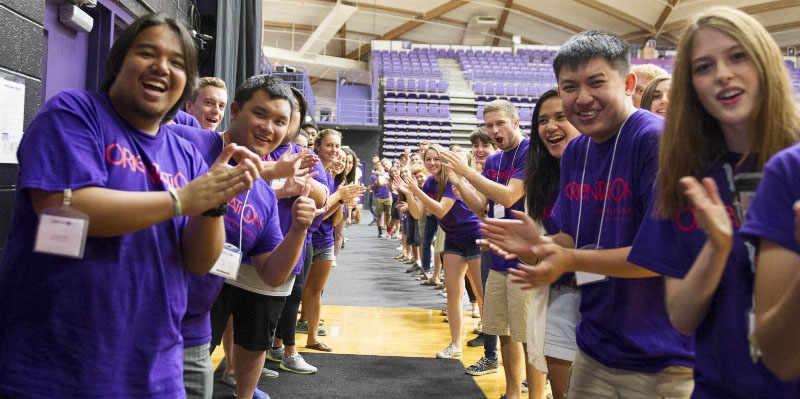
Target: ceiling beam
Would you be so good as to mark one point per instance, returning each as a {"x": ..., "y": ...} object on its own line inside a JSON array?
[
  {"x": 501, "y": 25},
  {"x": 509, "y": 37},
  {"x": 664, "y": 15},
  {"x": 343, "y": 34},
  {"x": 783, "y": 27},
  {"x": 284, "y": 25},
  {"x": 754, "y": 9},
  {"x": 616, "y": 13},
  {"x": 547, "y": 18},
  {"x": 410, "y": 25}
]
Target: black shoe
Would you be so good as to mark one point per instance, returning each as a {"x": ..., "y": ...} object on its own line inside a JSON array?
[
  {"x": 372, "y": 223},
  {"x": 477, "y": 341}
]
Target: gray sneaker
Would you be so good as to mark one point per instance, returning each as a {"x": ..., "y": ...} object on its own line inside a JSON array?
[
  {"x": 275, "y": 355},
  {"x": 296, "y": 364},
  {"x": 483, "y": 366},
  {"x": 267, "y": 373},
  {"x": 229, "y": 380}
]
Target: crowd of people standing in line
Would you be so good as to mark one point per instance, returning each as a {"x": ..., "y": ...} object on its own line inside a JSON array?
[{"x": 621, "y": 252}]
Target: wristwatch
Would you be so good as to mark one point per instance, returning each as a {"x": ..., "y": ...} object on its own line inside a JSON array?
[{"x": 217, "y": 211}]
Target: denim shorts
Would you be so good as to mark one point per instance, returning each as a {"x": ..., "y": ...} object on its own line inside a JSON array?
[
  {"x": 467, "y": 251},
  {"x": 323, "y": 253}
]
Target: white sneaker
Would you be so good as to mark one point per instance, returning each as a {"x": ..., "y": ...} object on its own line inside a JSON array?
[
  {"x": 297, "y": 364},
  {"x": 267, "y": 373},
  {"x": 450, "y": 352}
]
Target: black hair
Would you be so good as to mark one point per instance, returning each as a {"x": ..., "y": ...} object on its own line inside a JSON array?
[
  {"x": 116, "y": 56},
  {"x": 312, "y": 125},
  {"x": 543, "y": 170},
  {"x": 350, "y": 177},
  {"x": 589, "y": 45},
  {"x": 273, "y": 86},
  {"x": 301, "y": 101}
]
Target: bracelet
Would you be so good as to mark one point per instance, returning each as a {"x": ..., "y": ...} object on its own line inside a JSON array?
[{"x": 176, "y": 202}]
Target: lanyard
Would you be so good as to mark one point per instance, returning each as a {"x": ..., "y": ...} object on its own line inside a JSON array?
[
  {"x": 241, "y": 218},
  {"x": 500, "y": 164},
  {"x": 608, "y": 182}
]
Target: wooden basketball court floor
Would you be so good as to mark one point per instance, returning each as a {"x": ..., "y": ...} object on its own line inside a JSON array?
[{"x": 365, "y": 329}]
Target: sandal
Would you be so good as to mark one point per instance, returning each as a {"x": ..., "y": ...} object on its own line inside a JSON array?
[
  {"x": 443, "y": 312},
  {"x": 479, "y": 328},
  {"x": 476, "y": 313},
  {"x": 439, "y": 286},
  {"x": 429, "y": 283},
  {"x": 319, "y": 346}
]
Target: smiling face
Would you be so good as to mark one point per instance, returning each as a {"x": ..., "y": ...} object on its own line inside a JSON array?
[
  {"x": 209, "y": 106},
  {"x": 433, "y": 164},
  {"x": 339, "y": 163},
  {"x": 260, "y": 124},
  {"x": 660, "y": 101},
  {"x": 554, "y": 129},
  {"x": 596, "y": 98},
  {"x": 724, "y": 78},
  {"x": 415, "y": 159},
  {"x": 502, "y": 128},
  {"x": 420, "y": 177},
  {"x": 328, "y": 148},
  {"x": 151, "y": 78},
  {"x": 481, "y": 150},
  {"x": 348, "y": 166},
  {"x": 641, "y": 84}
]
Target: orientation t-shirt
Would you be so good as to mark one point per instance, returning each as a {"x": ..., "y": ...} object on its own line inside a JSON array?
[
  {"x": 460, "y": 224},
  {"x": 723, "y": 367},
  {"x": 501, "y": 167},
  {"x": 323, "y": 236},
  {"x": 251, "y": 210},
  {"x": 107, "y": 325},
  {"x": 624, "y": 323}
]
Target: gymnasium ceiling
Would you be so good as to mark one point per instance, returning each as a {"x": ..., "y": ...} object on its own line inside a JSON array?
[{"x": 345, "y": 30}]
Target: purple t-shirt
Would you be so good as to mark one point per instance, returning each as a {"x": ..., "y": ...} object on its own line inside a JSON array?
[
  {"x": 183, "y": 118},
  {"x": 624, "y": 323},
  {"x": 107, "y": 325},
  {"x": 260, "y": 233},
  {"x": 460, "y": 224},
  {"x": 723, "y": 367},
  {"x": 501, "y": 167},
  {"x": 381, "y": 192},
  {"x": 285, "y": 204},
  {"x": 323, "y": 237},
  {"x": 771, "y": 215}
]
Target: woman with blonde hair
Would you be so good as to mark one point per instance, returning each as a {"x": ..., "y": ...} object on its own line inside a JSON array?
[
  {"x": 732, "y": 110},
  {"x": 461, "y": 231}
]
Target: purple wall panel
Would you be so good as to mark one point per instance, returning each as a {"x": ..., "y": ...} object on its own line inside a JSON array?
[
  {"x": 67, "y": 53},
  {"x": 353, "y": 92}
]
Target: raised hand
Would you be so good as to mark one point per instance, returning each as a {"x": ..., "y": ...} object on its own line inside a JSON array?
[
  {"x": 552, "y": 265},
  {"x": 303, "y": 209},
  {"x": 401, "y": 184},
  {"x": 222, "y": 182},
  {"x": 350, "y": 191},
  {"x": 516, "y": 236},
  {"x": 710, "y": 210},
  {"x": 455, "y": 162},
  {"x": 286, "y": 166}
]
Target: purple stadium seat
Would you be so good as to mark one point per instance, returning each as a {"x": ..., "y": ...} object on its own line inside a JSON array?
[
  {"x": 434, "y": 110},
  {"x": 411, "y": 85},
  {"x": 391, "y": 108},
  {"x": 390, "y": 84},
  {"x": 480, "y": 88},
  {"x": 411, "y": 109},
  {"x": 422, "y": 110},
  {"x": 402, "y": 110}
]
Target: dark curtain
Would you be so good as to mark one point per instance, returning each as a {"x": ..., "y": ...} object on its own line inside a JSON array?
[{"x": 238, "y": 53}]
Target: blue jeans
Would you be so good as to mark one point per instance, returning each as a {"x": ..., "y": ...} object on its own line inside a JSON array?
[
  {"x": 431, "y": 225},
  {"x": 371, "y": 203},
  {"x": 489, "y": 341}
]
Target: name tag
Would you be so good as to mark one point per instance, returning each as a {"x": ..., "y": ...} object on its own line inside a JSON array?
[
  {"x": 582, "y": 278},
  {"x": 62, "y": 231},
  {"x": 499, "y": 211},
  {"x": 277, "y": 183},
  {"x": 227, "y": 265}
]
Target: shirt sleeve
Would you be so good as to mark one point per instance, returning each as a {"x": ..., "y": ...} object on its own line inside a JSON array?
[
  {"x": 448, "y": 191},
  {"x": 64, "y": 146},
  {"x": 771, "y": 215},
  {"x": 657, "y": 247}
]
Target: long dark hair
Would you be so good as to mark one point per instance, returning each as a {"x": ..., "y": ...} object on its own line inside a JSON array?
[
  {"x": 543, "y": 174},
  {"x": 350, "y": 177},
  {"x": 116, "y": 56}
]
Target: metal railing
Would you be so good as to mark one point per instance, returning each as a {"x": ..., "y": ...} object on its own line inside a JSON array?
[{"x": 347, "y": 111}]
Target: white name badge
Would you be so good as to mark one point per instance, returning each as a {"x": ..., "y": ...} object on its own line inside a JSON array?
[
  {"x": 62, "y": 231},
  {"x": 582, "y": 278},
  {"x": 499, "y": 211},
  {"x": 277, "y": 183},
  {"x": 227, "y": 265}
]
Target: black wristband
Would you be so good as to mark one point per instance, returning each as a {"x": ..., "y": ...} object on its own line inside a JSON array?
[{"x": 218, "y": 211}]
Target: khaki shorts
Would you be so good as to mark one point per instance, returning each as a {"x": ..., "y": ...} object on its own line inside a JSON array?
[
  {"x": 591, "y": 379},
  {"x": 505, "y": 307},
  {"x": 383, "y": 205}
]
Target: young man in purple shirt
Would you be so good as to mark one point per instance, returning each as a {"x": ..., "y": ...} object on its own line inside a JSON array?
[
  {"x": 501, "y": 187},
  {"x": 261, "y": 110},
  {"x": 108, "y": 324},
  {"x": 379, "y": 184},
  {"x": 627, "y": 345}
]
